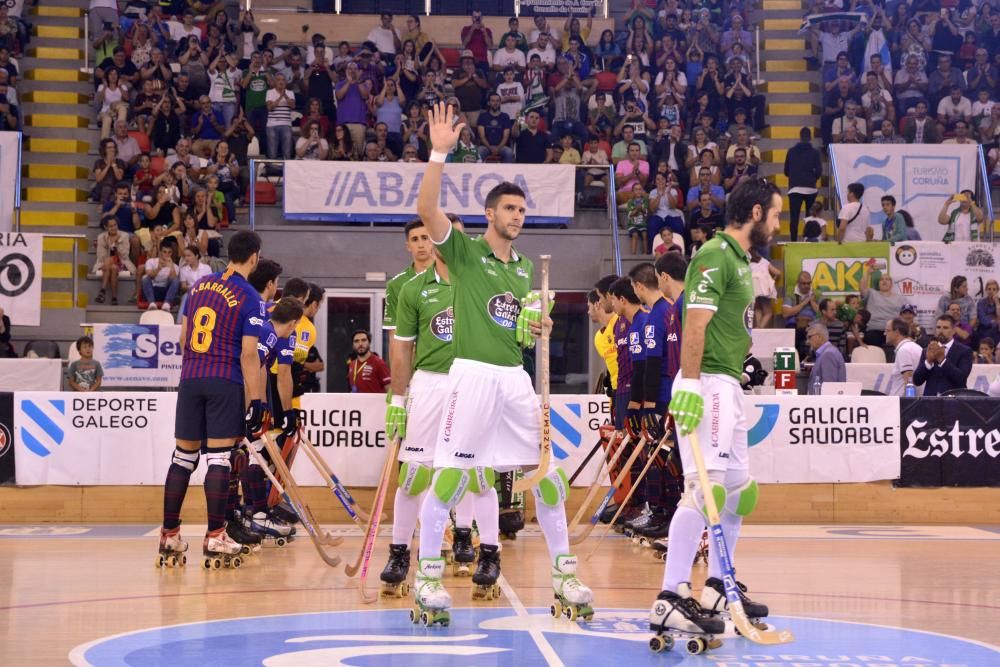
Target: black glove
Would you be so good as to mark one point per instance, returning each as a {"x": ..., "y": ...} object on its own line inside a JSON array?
[
  {"x": 254, "y": 419},
  {"x": 652, "y": 425},
  {"x": 290, "y": 423},
  {"x": 633, "y": 423}
]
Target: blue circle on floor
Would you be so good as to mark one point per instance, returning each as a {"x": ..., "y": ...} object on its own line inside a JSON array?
[{"x": 500, "y": 636}]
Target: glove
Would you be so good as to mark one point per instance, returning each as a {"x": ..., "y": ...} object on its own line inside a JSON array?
[
  {"x": 531, "y": 311},
  {"x": 290, "y": 423},
  {"x": 687, "y": 405},
  {"x": 395, "y": 418},
  {"x": 633, "y": 423},
  {"x": 652, "y": 426},
  {"x": 254, "y": 419}
]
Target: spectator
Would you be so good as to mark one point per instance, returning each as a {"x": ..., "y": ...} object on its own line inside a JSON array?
[
  {"x": 803, "y": 169},
  {"x": 829, "y": 365},
  {"x": 494, "y": 132},
  {"x": 700, "y": 142},
  {"x": 894, "y": 227},
  {"x": 6, "y": 347},
  {"x": 705, "y": 186},
  {"x": 706, "y": 216},
  {"x": 982, "y": 75},
  {"x": 514, "y": 30},
  {"x": 665, "y": 205},
  {"x": 877, "y": 104},
  {"x": 567, "y": 92},
  {"x": 156, "y": 69},
  {"x": 959, "y": 292},
  {"x": 910, "y": 84},
  {"x": 608, "y": 51},
  {"x": 921, "y": 128},
  {"x": 112, "y": 99},
  {"x": 385, "y": 36},
  {"x": 964, "y": 220},
  {"x": 943, "y": 79},
  {"x": 850, "y": 119},
  {"x": 987, "y": 310},
  {"x": 422, "y": 42},
  {"x": 120, "y": 206},
  {"x": 854, "y": 221},
  {"x": 414, "y": 131},
  {"x": 465, "y": 149},
  {"x": 802, "y": 306},
  {"x": 352, "y": 94},
  {"x": 636, "y": 213},
  {"x": 945, "y": 365},
  {"x": 665, "y": 242},
  {"x": 388, "y": 111},
  {"x": 908, "y": 314},
  {"x": 888, "y": 135},
  {"x": 961, "y": 130},
  {"x": 108, "y": 170},
  {"x": 840, "y": 68},
  {"x": 128, "y": 73},
  {"x": 160, "y": 282},
  {"x": 764, "y": 275},
  {"x": 954, "y": 108},
  {"x": 633, "y": 169},
  {"x": 532, "y": 146},
  {"x": 192, "y": 271},
  {"x": 162, "y": 216},
  {"x": 366, "y": 372},
  {"x": 85, "y": 373},
  {"x": 510, "y": 56},
  {"x": 570, "y": 155},
  {"x": 477, "y": 38},
  {"x": 963, "y": 330},
  {"x": 207, "y": 128},
  {"x": 469, "y": 84},
  {"x": 907, "y": 356},
  {"x": 542, "y": 27},
  {"x": 280, "y": 104},
  {"x": 311, "y": 145},
  {"x": 165, "y": 124},
  {"x": 671, "y": 150},
  {"x": 883, "y": 303},
  {"x": 143, "y": 179},
  {"x": 827, "y": 41},
  {"x": 986, "y": 353},
  {"x": 739, "y": 171},
  {"x": 224, "y": 165},
  {"x": 828, "y": 315},
  {"x": 112, "y": 258}
]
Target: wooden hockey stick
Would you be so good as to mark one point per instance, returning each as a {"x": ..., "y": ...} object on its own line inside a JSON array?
[
  {"x": 530, "y": 481},
  {"x": 354, "y": 510},
  {"x": 579, "y": 469},
  {"x": 592, "y": 491},
  {"x": 616, "y": 484},
  {"x": 371, "y": 530},
  {"x": 733, "y": 602}
]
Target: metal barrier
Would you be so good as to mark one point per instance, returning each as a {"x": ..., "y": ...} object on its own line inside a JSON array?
[
  {"x": 86, "y": 42},
  {"x": 984, "y": 182},
  {"x": 17, "y": 184},
  {"x": 75, "y": 273}
]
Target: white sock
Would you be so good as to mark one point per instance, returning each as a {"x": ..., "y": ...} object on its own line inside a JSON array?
[
  {"x": 433, "y": 519},
  {"x": 731, "y": 529},
  {"x": 488, "y": 516},
  {"x": 465, "y": 510},
  {"x": 405, "y": 511},
  {"x": 553, "y": 523},
  {"x": 685, "y": 534}
]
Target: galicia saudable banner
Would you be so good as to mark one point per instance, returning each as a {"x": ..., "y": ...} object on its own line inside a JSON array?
[
  {"x": 950, "y": 441},
  {"x": 7, "y": 466}
]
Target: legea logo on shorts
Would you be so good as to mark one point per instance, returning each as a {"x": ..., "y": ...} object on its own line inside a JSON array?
[
  {"x": 443, "y": 325},
  {"x": 504, "y": 309}
]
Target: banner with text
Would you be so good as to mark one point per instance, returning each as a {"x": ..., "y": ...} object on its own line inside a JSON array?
[
  {"x": 877, "y": 376},
  {"x": 803, "y": 439},
  {"x": 835, "y": 268},
  {"x": 560, "y": 7},
  {"x": 139, "y": 355},
  {"x": 387, "y": 192},
  {"x": 10, "y": 163},
  {"x": 7, "y": 465},
  {"x": 920, "y": 177},
  {"x": 923, "y": 271},
  {"x": 21, "y": 277},
  {"x": 948, "y": 442}
]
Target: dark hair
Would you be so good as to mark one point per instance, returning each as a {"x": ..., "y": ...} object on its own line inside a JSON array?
[
  {"x": 265, "y": 271},
  {"x": 946, "y": 317},
  {"x": 415, "y": 18},
  {"x": 823, "y": 304},
  {"x": 297, "y": 288},
  {"x": 593, "y": 296},
  {"x": 754, "y": 192},
  {"x": 368, "y": 334},
  {"x": 84, "y": 340},
  {"x": 505, "y": 188},
  {"x": 805, "y": 134},
  {"x": 812, "y": 230},
  {"x": 956, "y": 282},
  {"x": 673, "y": 264},
  {"x": 286, "y": 310},
  {"x": 986, "y": 340},
  {"x": 315, "y": 294},
  {"x": 604, "y": 284},
  {"x": 242, "y": 246},
  {"x": 857, "y": 190},
  {"x": 889, "y": 198},
  {"x": 900, "y": 326},
  {"x": 194, "y": 250},
  {"x": 416, "y": 223},
  {"x": 644, "y": 273},
  {"x": 907, "y": 218},
  {"x": 622, "y": 288}
]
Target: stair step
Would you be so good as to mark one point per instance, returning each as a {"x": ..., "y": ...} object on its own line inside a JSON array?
[
  {"x": 63, "y": 300},
  {"x": 786, "y": 66},
  {"x": 56, "y": 120},
  {"x": 794, "y": 87},
  {"x": 62, "y": 270},
  {"x": 56, "y": 53},
  {"x": 784, "y": 33},
  {"x": 85, "y": 208},
  {"x": 770, "y": 5},
  {"x": 785, "y": 132},
  {"x": 782, "y": 23},
  {"x": 784, "y": 44},
  {"x": 54, "y": 97},
  {"x": 55, "y": 171},
  {"x": 792, "y": 109},
  {"x": 54, "y": 74},
  {"x": 809, "y": 76},
  {"x": 63, "y": 245},
  {"x": 53, "y": 219},
  {"x": 54, "y": 195},
  {"x": 47, "y": 145},
  {"x": 61, "y": 12},
  {"x": 74, "y": 86},
  {"x": 791, "y": 13},
  {"x": 782, "y": 181},
  {"x": 775, "y": 155},
  {"x": 58, "y": 32}
]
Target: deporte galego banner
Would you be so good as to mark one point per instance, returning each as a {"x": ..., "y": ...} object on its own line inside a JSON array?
[{"x": 387, "y": 191}]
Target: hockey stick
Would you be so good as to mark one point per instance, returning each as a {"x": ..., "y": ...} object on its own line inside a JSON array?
[
  {"x": 616, "y": 484},
  {"x": 597, "y": 445},
  {"x": 635, "y": 485},
  {"x": 531, "y": 481},
  {"x": 592, "y": 491},
  {"x": 735, "y": 605},
  {"x": 357, "y": 514},
  {"x": 371, "y": 530}
]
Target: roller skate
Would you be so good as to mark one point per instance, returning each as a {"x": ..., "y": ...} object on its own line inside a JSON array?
[
  {"x": 713, "y": 601},
  {"x": 676, "y": 616},
  {"x": 633, "y": 528},
  {"x": 511, "y": 504},
  {"x": 271, "y": 531},
  {"x": 219, "y": 551},
  {"x": 172, "y": 548},
  {"x": 629, "y": 514},
  {"x": 609, "y": 513},
  {"x": 572, "y": 597},
  {"x": 284, "y": 513},
  {"x": 431, "y": 601},
  {"x": 660, "y": 548},
  {"x": 658, "y": 527},
  {"x": 394, "y": 575},
  {"x": 463, "y": 553},
  {"x": 238, "y": 532},
  {"x": 487, "y": 573},
  {"x": 702, "y": 553}
]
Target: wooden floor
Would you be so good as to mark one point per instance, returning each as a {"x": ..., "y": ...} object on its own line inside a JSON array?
[{"x": 65, "y": 586}]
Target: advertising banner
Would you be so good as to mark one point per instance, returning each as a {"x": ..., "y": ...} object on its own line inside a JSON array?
[
  {"x": 559, "y": 7},
  {"x": 10, "y": 163},
  {"x": 31, "y": 374},
  {"x": 948, "y": 442},
  {"x": 139, "y": 355},
  {"x": 803, "y": 439},
  {"x": 7, "y": 467},
  {"x": 21, "y": 277},
  {"x": 920, "y": 177},
  {"x": 835, "y": 268},
  {"x": 387, "y": 192},
  {"x": 876, "y": 376}
]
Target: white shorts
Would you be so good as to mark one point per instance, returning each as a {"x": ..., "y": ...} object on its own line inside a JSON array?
[
  {"x": 722, "y": 432},
  {"x": 492, "y": 418},
  {"x": 424, "y": 404}
]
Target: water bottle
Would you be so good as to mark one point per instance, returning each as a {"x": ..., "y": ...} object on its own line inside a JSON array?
[
  {"x": 910, "y": 391},
  {"x": 817, "y": 387}
]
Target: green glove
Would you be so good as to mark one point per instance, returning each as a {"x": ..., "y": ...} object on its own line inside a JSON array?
[
  {"x": 531, "y": 311},
  {"x": 687, "y": 405},
  {"x": 395, "y": 418}
]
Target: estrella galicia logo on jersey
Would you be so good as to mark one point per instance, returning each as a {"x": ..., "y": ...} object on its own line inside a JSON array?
[
  {"x": 271, "y": 340},
  {"x": 649, "y": 334},
  {"x": 42, "y": 427},
  {"x": 765, "y": 424},
  {"x": 305, "y": 336},
  {"x": 633, "y": 342},
  {"x": 504, "y": 309},
  {"x": 521, "y": 272},
  {"x": 263, "y": 309},
  {"x": 748, "y": 317},
  {"x": 443, "y": 325}
]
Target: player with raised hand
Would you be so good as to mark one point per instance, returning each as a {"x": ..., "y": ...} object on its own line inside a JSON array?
[
  {"x": 492, "y": 415},
  {"x": 716, "y": 337},
  {"x": 218, "y": 399}
]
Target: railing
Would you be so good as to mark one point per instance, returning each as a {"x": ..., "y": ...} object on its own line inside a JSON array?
[
  {"x": 86, "y": 42},
  {"x": 17, "y": 184},
  {"x": 984, "y": 179},
  {"x": 75, "y": 272},
  {"x": 833, "y": 186}
]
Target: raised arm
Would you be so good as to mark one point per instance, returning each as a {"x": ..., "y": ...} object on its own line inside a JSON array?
[{"x": 444, "y": 133}]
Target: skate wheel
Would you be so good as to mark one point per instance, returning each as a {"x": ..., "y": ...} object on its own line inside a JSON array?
[
  {"x": 183, "y": 560},
  {"x": 414, "y": 617},
  {"x": 217, "y": 563},
  {"x": 236, "y": 563},
  {"x": 555, "y": 610},
  {"x": 207, "y": 563},
  {"x": 661, "y": 643},
  {"x": 425, "y": 618},
  {"x": 643, "y": 542},
  {"x": 172, "y": 561},
  {"x": 695, "y": 646},
  {"x": 246, "y": 550},
  {"x": 570, "y": 613},
  {"x": 404, "y": 589},
  {"x": 588, "y": 617},
  {"x": 159, "y": 560},
  {"x": 280, "y": 541}
]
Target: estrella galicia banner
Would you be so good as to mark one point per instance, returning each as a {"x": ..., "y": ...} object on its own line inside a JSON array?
[
  {"x": 21, "y": 277},
  {"x": 950, "y": 441},
  {"x": 6, "y": 439},
  {"x": 139, "y": 355}
]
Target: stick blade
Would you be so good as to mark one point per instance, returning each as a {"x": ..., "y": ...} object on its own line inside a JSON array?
[{"x": 757, "y": 636}]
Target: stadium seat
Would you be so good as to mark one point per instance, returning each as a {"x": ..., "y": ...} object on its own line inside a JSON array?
[
  {"x": 158, "y": 164},
  {"x": 870, "y": 354},
  {"x": 265, "y": 193},
  {"x": 160, "y": 317},
  {"x": 451, "y": 56},
  {"x": 42, "y": 349},
  {"x": 140, "y": 139},
  {"x": 606, "y": 81}
]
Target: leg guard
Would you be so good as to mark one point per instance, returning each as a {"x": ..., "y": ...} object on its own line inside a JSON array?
[
  {"x": 742, "y": 500},
  {"x": 185, "y": 459},
  {"x": 553, "y": 489},
  {"x": 694, "y": 497},
  {"x": 450, "y": 484},
  {"x": 219, "y": 457},
  {"x": 481, "y": 479},
  {"x": 414, "y": 478}
]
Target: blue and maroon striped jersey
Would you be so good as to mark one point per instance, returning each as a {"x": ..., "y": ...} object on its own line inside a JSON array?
[
  {"x": 221, "y": 309},
  {"x": 622, "y": 325},
  {"x": 674, "y": 326},
  {"x": 271, "y": 348},
  {"x": 636, "y": 350}
]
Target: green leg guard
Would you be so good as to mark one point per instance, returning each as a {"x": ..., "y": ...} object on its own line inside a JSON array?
[
  {"x": 481, "y": 479},
  {"x": 450, "y": 484},
  {"x": 742, "y": 500},
  {"x": 414, "y": 478},
  {"x": 553, "y": 489}
]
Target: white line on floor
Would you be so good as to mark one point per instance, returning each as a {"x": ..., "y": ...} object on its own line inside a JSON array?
[{"x": 549, "y": 653}]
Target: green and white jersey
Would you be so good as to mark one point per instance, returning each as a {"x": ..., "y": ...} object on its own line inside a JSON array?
[
  {"x": 424, "y": 313},
  {"x": 487, "y": 294},
  {"x": 718, "y": 279},
  {"x": 392, "y": 288}
]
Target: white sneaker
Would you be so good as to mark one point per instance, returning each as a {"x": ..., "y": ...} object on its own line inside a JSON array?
[
  {"x": 165, "y": 306},
  {"x": 151, "y": 306}
]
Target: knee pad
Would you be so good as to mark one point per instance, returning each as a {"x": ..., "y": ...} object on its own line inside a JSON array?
[
  {"x": 185, "y": 459},
  {"x": 414, "y": 478},
  {"x": 742, "y": 500},
  {"x": 694, "y": 498},
  {"x": 450, "y": 485},
  {"x": 481, "y": 480},
  {"x": 553, "y": 489},
  {"x": 218, "y": 457}
]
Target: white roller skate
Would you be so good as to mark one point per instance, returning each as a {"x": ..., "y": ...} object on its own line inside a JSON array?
[
  {"x": 572, "y": 597},
  {"x": 271, "y": 530},
  {"x": 220, "y": 551},
  {"x": 676, "y": 616},
  {"x": 713, "y": 601},
  {"x": 431, "y": 600},
  {"x": 172, "y": 548}
]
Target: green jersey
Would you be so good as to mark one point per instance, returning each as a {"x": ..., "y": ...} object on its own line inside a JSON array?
[
  {"x": 718, "y": 279},
  {"x": 392, "y": 296},
  {"x": 487, "y": 294},
  {"x": 256, "y": 91},
  {"x": 424, "y": 313}
]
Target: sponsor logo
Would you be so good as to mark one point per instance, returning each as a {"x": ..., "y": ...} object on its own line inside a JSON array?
[
  {"x": 305, "y": 336},
  {"x": 449, "y": 420},
  {"x": 521, "y": 272},
  {"x": 826, "y": 425},
  {"x": 43, "y": 427},
  {"x": 257, "y": 321},
  {"x": 44, "y": 423},
  {"x": 957, "y": 442},
  {"x": 271, "y": 340},
  {"x": 17, "y": 274},
  {"x": 139, "y": 346},
  {"x": 5, "y": 440},
  {"x": 340, "y": 428},
  {"x": 443, "y": 325},
  {"x": 979, "y": 256},
  {"x": 906, "y": 255},
  {"x": 465, "y": 455},
  {"x": 503, "y": 309}
]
